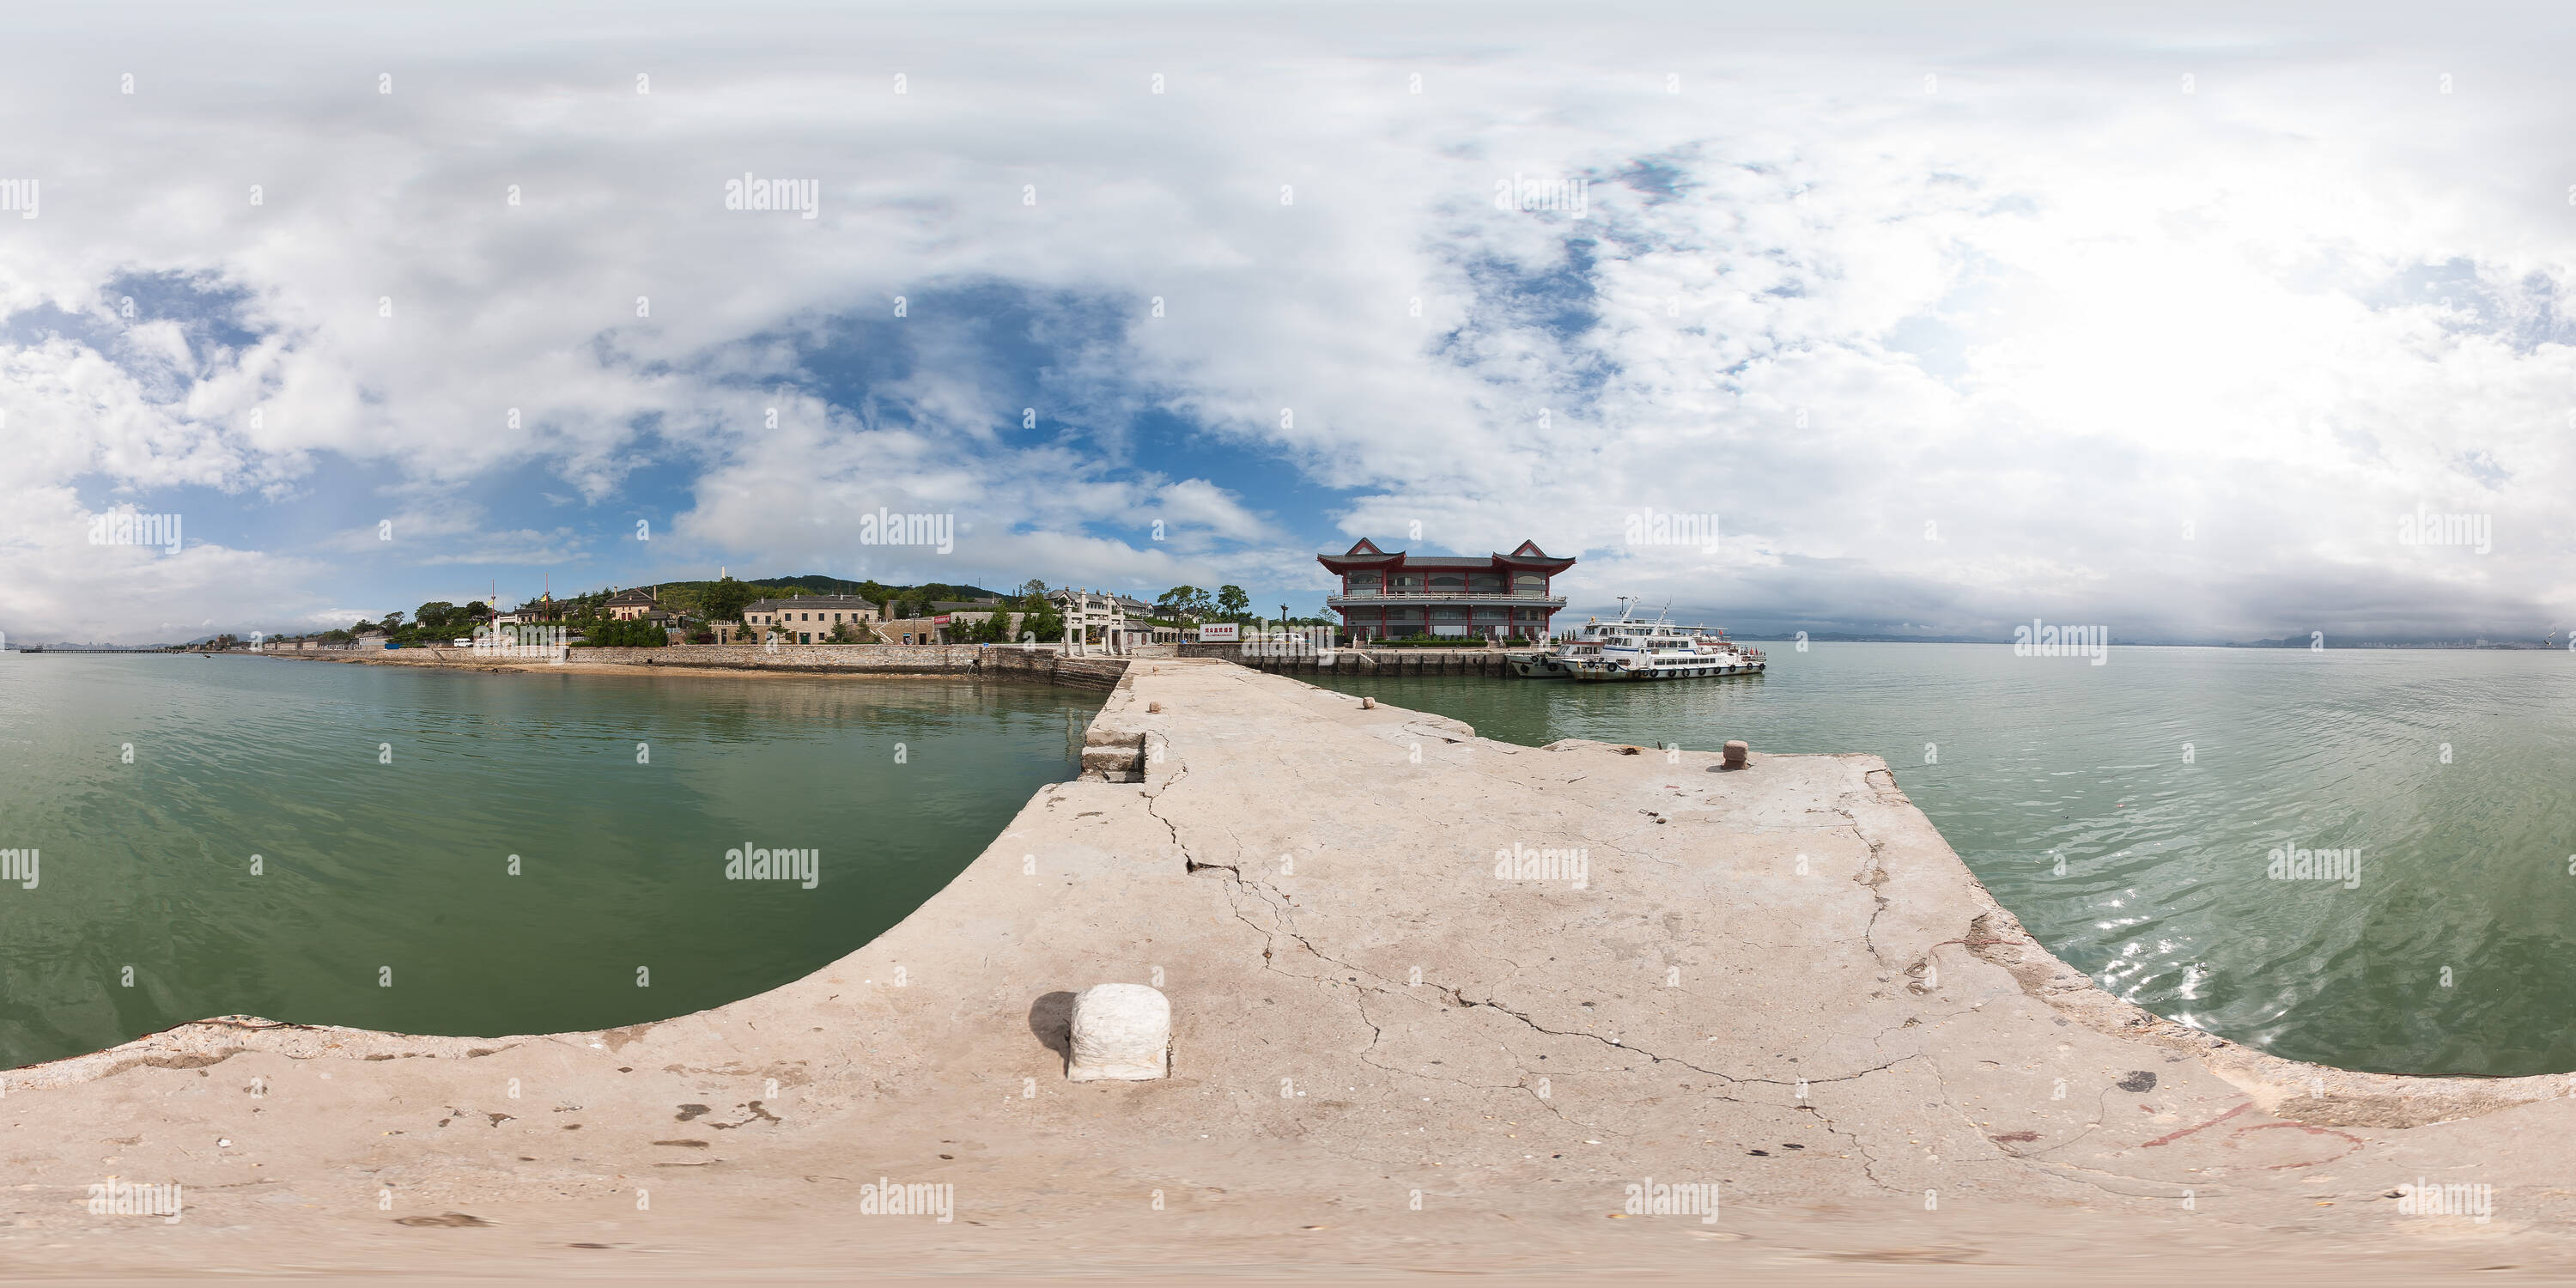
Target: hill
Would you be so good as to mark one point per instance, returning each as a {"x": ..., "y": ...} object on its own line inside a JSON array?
[{"x": 690, "y": 596}]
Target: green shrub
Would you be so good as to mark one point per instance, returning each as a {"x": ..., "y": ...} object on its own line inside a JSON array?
[{"x": 614, "y": 634}]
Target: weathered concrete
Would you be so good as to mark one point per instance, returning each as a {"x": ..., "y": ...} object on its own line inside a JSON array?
[{"x": 1779, "y": 981}]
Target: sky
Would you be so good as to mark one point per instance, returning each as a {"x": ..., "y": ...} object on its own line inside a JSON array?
[{"x": 2196, "y": 322}]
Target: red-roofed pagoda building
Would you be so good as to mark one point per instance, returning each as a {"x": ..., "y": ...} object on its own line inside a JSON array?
[{"x": 1397, "y": 596}]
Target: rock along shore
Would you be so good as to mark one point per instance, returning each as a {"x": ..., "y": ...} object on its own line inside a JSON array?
[{"x": 1778, "y": 981}]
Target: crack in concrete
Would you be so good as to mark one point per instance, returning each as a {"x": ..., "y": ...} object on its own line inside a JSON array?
[
  {"x": 1868, "y": 1161},
  {"x": 1873, "y": 874},
  {"x": 1462, "y": 1000},
  {"x": 1187, "y": 863},
  {"x": 2099, "y": 1101},
  {"x": 1281, "y": 913}
]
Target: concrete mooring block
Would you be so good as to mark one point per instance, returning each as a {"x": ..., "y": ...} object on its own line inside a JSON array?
[
  {"x": 1736, "y": 752},
  {"x": 1122, "y": 1032}
]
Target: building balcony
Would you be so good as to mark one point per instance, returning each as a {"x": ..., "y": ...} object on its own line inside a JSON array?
[{"x": 1394, "y": 597}]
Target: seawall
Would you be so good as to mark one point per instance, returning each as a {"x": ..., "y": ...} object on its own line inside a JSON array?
[
  {"x": 1440, "y": 1003},
  {"x": 1042, "y": 665},
  {"x": 1364, "y": 661}
]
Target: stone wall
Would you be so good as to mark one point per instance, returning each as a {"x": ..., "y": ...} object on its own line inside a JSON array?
[
  {"x": 886, "y": 658},
  {"x": 1384, "y": 661},
  {"x": 822, "y": 659}
]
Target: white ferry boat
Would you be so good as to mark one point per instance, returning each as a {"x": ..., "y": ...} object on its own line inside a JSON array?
[
  {"x": 1559, "y": 665},
  {"x": 1629, "y": 649}
]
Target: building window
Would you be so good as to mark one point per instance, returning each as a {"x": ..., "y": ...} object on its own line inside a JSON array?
[
  {"x": 1486, "y": 583},
  {"x": 1448, "y": 581},
  {"x": 805, "y": 637},
  {"x": 1529, "y": 584}
]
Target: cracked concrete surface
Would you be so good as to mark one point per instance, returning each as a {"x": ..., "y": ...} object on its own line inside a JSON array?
[{"x": 1778, "y": 980}]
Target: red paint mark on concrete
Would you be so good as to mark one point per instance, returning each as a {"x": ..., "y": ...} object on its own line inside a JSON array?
[
  {"x": 2356, "y": 1141},
  {"x": 2169, "y": 1139}
]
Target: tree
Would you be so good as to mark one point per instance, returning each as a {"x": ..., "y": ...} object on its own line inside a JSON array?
[
  {"x": 392, "y": 622},
  {"x": 1232, "y": 602},
  {"x": 725, "y": 600},
  {"x": 1041, "y": 621},
  {"x": 1185, "y": 601},
  {"x": 1032, "y": 589}
]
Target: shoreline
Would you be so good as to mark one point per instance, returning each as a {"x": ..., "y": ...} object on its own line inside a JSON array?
[
  {"x": 1778, "y": 980},
  {"x": 741, "y": 672},
  {"x": 919, "y": 660}
]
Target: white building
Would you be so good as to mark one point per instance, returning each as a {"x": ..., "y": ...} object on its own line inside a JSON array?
[{"x": 809, "y": 619}]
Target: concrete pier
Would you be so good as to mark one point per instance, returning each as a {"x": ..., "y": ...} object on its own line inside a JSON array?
[{"x": 1441, "y": 1003}]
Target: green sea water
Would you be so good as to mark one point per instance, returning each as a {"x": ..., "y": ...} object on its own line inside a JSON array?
[
  {"x": 334, "y": 844},
  {"x": 2163, "y": 780}
]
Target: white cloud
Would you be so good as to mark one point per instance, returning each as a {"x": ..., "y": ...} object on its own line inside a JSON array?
[{"x": 2057, "y": 307}]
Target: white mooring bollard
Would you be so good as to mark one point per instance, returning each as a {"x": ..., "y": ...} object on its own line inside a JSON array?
[{"x": 1120, "y": 1031}]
